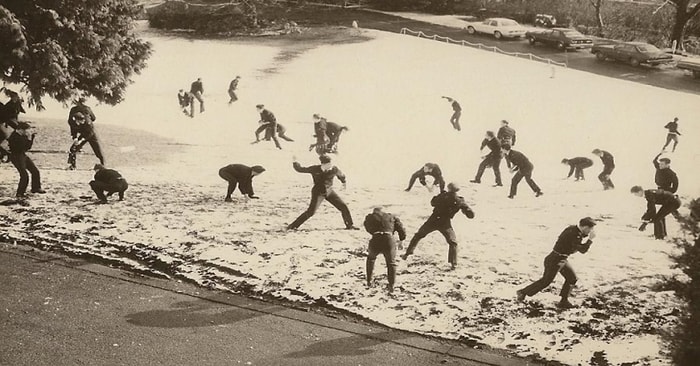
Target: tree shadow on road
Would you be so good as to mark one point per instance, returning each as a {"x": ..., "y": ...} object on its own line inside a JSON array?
[{"x": 356, "y": 345}]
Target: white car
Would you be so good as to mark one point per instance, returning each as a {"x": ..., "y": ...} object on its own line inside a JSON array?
[{"x": 499, "y": 27}]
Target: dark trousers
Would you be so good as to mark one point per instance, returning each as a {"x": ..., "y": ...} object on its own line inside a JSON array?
[
  {"x": 188, "y": 104},
  {"x": 333, "y": 143},
  {"x": 444, "y": 226},
  {"x": 659, "y": 217},
  {"x": 604, "y": 177},
  {"x": 554, "y": 263},
  {"x": 232, "y": 94},
  {"x": 386, "y": 245},
  {"x": 421, "y": 179},
  {"x": 232, "y": 182},
  {"x": 75, "y": 148},
  {"x": 269, "y": 134},
  {"x": 493, "y": 162},
  {"x": 23, "y": 164},
  {"x": 116, "y": 186},
  {"x": 198, "y": 96},
  {"x": 519, "y": 175},
  {"x": 316, "y": 200},
  {"x": 671, "y": 137},
  {"x": 455, "y": 120}
]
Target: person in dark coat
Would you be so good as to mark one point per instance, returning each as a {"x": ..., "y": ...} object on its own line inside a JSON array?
[
  {"x": 186, "y": 100},
  {"x": 577, "y": 165},
  {"x": 608, "y": 167},
  {"x": 321, "y": 135},
  {"x": 20, "y": 142},
  {"x": 445, "y": 206},
  {"x": 241, "y": 175},
  {"x": 669, "y": 203},
  {"x": 667, "y": 180},
  {"x": 431, "y": 169},
  {"x": 323, "y": 176},
  {"x": 673, "y": 134},
  {"x": 197, "y": 91},
  {"x": 232, "y": 89},
  {"x": 333, "y": 131},
  {"x": 268, "y": 124},
  {"x": 108, "y": 181},
  {"x": 506, "y": 134},
  {"x": 570, "y": 241},
  {"x": 523, "y": 169},
  {"x": 382, "y": 225},
  {"x": 457, "y": 113},
  {"x": 83, "y": 132},
  {"x": 9, "y": 118},
  {"x": 492, "y": 159}
]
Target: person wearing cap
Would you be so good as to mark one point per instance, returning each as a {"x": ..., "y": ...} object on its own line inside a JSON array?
[
  {"x": 322, "y": 189},
  {"x": 186, "y": 100},
  {"x": 667, "y": 180},
  {"x": 84, "y": 110},
  {"x": 241, "y": 175},
  {"x": 575, "y": 238},
  {"x": 108, "y": 181},
  {"x": 672, "y": 135},
  {"x": 232, "y": 89},
  {"x": 432, "y": 170},
  {"x": 456, "y": 113},
  {"x": 84, "y": 133},
  {"x": 445, "y": 206},
  {"x": 523, "y": 169},
  {"x": 382, "y": 226},
  {"x": 506, "y": 135},
  {"x": 197, "y": 91},
  {"x": 492, "y": 159},
  {"x": 21, "y": 141},
  {"x": 669, "y": 203},
  {"x": 576, "y": 166},
  {"x": 268, "y": 123},
  {"x": 608, "y": 167}
]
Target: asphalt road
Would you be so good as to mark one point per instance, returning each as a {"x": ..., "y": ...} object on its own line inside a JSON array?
[
  {"x": 61, "y": 311},
  {"x": 664, "y": 76}
]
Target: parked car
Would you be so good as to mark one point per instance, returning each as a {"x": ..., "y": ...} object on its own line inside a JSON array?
[
  {"x": 499, "y": 27},
  {"x": 692, "y": 64},
  {"x": 562, "y": 38},
  {"x": 635, "y": 53}
]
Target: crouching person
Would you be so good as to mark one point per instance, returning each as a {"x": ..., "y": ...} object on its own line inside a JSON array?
[
  {"x": 108, "y": 181},
  {"x": 382, "y": 226}
]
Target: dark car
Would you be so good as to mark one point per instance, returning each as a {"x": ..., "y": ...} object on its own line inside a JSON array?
[
  {"x": 634, "y": 53},
  {"x": 562, "y": 38}
]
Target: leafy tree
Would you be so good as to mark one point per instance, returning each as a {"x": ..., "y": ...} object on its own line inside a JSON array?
[
  {"x": 66, "y": 48},
  {"x": 684, "y": 13}
]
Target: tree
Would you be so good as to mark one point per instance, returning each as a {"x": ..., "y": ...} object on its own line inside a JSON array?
[
  {"x": 598, "y": 7},
  {"x": 684, "y": 13},
  {"x": 66, "y": 48}
]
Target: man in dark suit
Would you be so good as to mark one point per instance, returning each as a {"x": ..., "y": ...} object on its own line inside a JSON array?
[
  {"x": 242, "y": 176},
  {"x": 108, "y": 181},
  {"x": 608, "y": 167},
  {"x": 523, "y": 169},
  {"x": 669, "y": 203},
  {"x": 382, "y": 226},
  {"x": 577, "y": 165},
  {"x": 197, "y": 91},
  {"x": 431, "y": 169},
  {"x": 20, "y": 142},
  {"x": 492, "y": 159}
]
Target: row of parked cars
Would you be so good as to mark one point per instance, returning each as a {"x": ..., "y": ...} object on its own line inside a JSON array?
[{"x": 634, "y": 53}]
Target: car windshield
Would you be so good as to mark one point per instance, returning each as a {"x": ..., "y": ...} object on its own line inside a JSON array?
[
  {"x": 509, "y": 23},
  {"x": 571, "y": 32},
  {"x": 647, "y": 48}
]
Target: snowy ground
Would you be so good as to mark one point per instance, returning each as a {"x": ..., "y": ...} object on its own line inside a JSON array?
[{"x": 387, "y": 91}]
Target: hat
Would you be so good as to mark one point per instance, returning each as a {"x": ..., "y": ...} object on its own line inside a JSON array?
[
  {"x": 316, "y": 115},
  {"x": 324, "y": 159},
  {"x": 260, "y": 106},
  {"x": 23, "y": 126},
  {"x": 587, "y": 221},
  {"x": 257, "y": 169},
  {"x": 636, "y": 189},
  {"x": 453, "y": 187},
  {"x": 596, "y": 151},
  {"x": 504, "y": 121},
  {"x": 98, "y": 167},
  {"x": 665, "y": 160}
]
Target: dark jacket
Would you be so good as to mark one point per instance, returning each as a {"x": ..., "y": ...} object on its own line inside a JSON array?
[
  {"x": 10, "y": 112},
  {"x": 233, "y": 86},
  {"x": 86, "y": 111},
  {"x": 243, "y": 175},
  {"x": 520, "y": 161},
  {"x": 506, "y": 133},
  {"x": 384, "y": 222},
  {"x": 19, "y": 144},
  {"x": 267, "y": 116},
  {"x": 666, "y": 178},
  {"x": 323, "y": 181},
  {"x": 658, "y": 197},
  {"x": 184, "y": 99},
  {"x": 456, "y": 107},
  {"x": 333, "y": 129},
  {"x": 608, "y": 160},
  {"x": 495, "y": 147},
  {"x": 435, "y": 172},
  {"x": 197, "y": 86},
  {"x": 447, "y": 204},
  {"x": 578, "y": 162},
  {"x": 672, "y": 128},
  {"x": 107, "y": 176},
  {"x": 85, "y": 130},
  {"x": 320, "y": 129},
  {"x": 571, "y": 241}
]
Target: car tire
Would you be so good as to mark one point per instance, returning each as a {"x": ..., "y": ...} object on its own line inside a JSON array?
[
  {"x": 696, "y": 74},
  {"x": 600, "y": 56},
  {"x": 531, "y": 40},
  {"x": 498, "y": 35},
  {"x": 561, "y": 46},
  {"x": 471, "y": 30},
  {"x": 634, "y": 62}
]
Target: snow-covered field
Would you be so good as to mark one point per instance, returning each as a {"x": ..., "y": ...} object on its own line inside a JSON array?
[{"x": 388, "y": 92}]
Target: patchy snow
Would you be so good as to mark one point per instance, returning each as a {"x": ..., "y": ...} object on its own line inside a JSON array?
[{"x": 388, "y": 92}]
